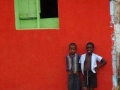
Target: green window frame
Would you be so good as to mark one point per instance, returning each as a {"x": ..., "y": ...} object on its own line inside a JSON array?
[{"x": 27, "y": 16}]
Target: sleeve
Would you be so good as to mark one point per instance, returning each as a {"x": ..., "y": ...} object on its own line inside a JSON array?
[
  {"x": 67, "y": 64},
  {"x": 99, "y": 58}
]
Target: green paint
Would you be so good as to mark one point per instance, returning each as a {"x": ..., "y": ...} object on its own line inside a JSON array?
[
  {"x": 49, "y": 23},
  {"x": 27, "y": 8},
  {"x": 28, "y": 24},
  {"x": 38, "y": 13},
  {"x": 27, "y": 16},
  {"x": 17, "y": 24}
]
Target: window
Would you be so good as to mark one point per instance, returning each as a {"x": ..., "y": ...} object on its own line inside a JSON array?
[{"x": 30, "y": 14}]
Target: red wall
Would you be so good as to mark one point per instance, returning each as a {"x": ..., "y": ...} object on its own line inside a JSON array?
[{"x": 35, "y": 59}]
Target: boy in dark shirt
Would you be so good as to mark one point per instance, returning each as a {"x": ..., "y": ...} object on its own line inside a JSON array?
[
  {"x": 89, "y": 67},
  {"x": 72, "y": 63}
]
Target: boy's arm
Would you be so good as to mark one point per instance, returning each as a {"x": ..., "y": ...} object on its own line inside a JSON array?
[
  {"x": 102, "y": 63},
  {"x": 67, "y": 67}
]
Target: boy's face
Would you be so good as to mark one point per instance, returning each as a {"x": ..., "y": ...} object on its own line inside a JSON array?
[
  {"x": 72, "y": 49},
  {"x": 89, "y": 48}
]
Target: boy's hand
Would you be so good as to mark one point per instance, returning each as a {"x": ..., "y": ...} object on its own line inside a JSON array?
[{"x": 70, "y": 72}]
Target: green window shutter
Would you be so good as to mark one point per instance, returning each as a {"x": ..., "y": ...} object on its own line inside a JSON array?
[{"x": 27, "y": 9}]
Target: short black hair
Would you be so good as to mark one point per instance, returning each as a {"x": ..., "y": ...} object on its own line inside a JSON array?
[
  {"x": 73, "y": 44},
  {"x": 90, "y": 44}
]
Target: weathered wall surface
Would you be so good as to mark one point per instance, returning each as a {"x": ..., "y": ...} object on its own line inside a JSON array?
[
  {"x": 117, "y": 38},
  {"x": 117, "y": 11},
  {"x": 35, "y": 59}
]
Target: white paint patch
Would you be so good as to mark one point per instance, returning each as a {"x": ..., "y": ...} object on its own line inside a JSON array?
[{"x": 114, "y": 77}]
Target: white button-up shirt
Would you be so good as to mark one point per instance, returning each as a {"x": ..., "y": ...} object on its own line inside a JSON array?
[{"x": 94, "y": 60}]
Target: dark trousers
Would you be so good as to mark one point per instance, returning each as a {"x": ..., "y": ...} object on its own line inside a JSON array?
[
  {"x": 73, "y": 82},
  {"x": 89, "y": 79}
]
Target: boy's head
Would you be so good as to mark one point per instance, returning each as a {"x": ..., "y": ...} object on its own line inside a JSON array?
[
  {"x": 72, "y": 48},
  {"x": 89, "y": 47}
]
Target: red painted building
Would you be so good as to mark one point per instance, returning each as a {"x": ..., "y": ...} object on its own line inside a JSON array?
[{"x": 35, "y": 59}]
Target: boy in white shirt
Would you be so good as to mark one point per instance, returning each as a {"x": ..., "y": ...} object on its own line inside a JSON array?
[{"x": 89, "y": 67}]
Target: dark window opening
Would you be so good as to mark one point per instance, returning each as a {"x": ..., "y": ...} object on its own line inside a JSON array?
[{"x": 49, "y": 8}]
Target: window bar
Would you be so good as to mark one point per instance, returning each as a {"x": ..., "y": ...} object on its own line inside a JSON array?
[
  {"x": 38, "y": 13},
  {"x": 17, "y": 14}
]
